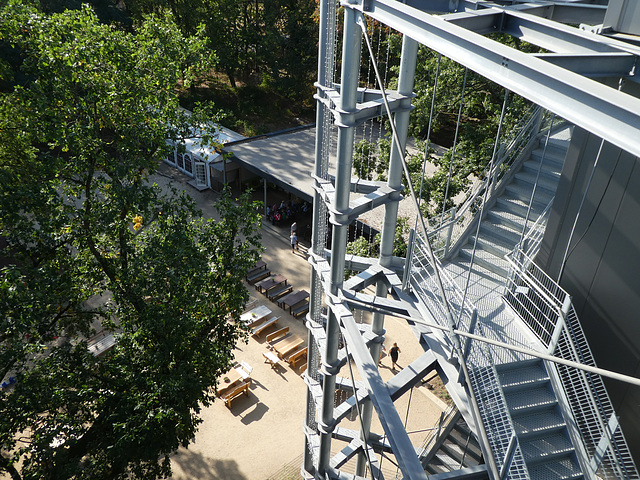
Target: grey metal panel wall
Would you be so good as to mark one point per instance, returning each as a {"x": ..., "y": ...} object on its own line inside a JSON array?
[{"x": 602, "y": 271}]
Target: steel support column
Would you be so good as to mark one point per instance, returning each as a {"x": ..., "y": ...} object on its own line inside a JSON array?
[
  {"x": 326, "y": 61},
  {"x": 348, "y": 96}
]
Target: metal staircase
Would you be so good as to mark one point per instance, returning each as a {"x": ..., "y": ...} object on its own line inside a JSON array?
[
  {"x": 503, "y": 225},
  {"x": 454, "y": 447},
  {"x": 541, "y": 430}
]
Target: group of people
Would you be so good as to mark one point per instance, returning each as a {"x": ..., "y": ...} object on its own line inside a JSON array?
[{"x": 286, "y": 210}]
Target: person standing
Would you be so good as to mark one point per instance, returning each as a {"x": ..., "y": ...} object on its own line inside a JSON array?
[
  {"x": 393, "y": 353},
  {"x": 294, "y": 242}
]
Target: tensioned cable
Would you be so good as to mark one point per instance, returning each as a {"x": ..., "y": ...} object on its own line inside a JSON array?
[
  {"x": 428, "y": 140},
  {"x": 455, "y": 141},
  {"x": 396, "y": 138},
  {"x": 490, "y": 460},
  {"x": 569, "y": 363},
  {"x": 484, "y": 201}
]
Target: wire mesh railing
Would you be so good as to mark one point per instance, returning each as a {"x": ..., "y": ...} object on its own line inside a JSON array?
[
  {"x": 494, "y": 413},
  {"x": 446, "y": 229},
  {"x": 547, "y": 310}
]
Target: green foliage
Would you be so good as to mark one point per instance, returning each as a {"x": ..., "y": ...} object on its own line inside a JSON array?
[
  {"x": 272, "y": 43},
  {"x": 363, "y": 248},
  {"x": 89, "y": 242}
]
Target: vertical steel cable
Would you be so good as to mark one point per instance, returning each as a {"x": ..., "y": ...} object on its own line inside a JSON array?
[
  {"x": 428, "y": 140},
  {"x": 455, "y": 143}
]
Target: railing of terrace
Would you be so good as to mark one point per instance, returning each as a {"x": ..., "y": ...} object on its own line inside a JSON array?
[{"x": 548, "y": 311}]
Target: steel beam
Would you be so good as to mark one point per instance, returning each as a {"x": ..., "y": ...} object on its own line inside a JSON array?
[
  {"x": 606, "y": 112},
  {"x": 609, "y": 65},
  {"x": 557, "y": 37},
  {"x": 379, "y": 394}
]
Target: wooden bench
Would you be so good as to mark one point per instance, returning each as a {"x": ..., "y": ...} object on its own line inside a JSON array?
[
  {"x": 260, "y": 265},
  {"x": 277, "y": 335},
  {"x": 279, "y": 291},
  {"x": 236, "y": 392},
  {"x": 297, "y": 355},
  {"x": 261, "y": 328},
  {"x": 300, "y": 310},
  {"x": 257, "y": 276}
]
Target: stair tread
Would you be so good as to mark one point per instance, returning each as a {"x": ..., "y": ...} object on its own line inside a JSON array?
[
  {"x": 542, "y": 181},
  {"x": 486, "y": 260},
  {"x": 549, "y": 169},
  {"x": 548, "y": 445},
  {"x": 554, "y": 155},
  {"x": 493, "y": 231},
  {"x": 564, "y": 469},
  {"x": 506, "y": 217},
  {"x": 530, "y": 399},
  {"x": 523, "y": 190},
  {"x": 523, "y": 376},
  {"x": 519, "y": 206},
  {"x": 534, "y": 424}
]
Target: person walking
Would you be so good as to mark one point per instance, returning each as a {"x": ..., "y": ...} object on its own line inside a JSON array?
[
  {"x": 294, "y": 242},
  {"x": 393, "y": 353}
]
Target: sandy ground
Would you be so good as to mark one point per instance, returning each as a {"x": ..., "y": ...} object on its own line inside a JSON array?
[{"x": 263, "y": 432}]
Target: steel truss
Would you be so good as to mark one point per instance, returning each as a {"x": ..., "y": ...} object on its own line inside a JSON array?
[{"x": 562, "y": 81}]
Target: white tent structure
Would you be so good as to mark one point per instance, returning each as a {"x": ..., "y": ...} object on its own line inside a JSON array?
[{"x": 206, "y": 164}]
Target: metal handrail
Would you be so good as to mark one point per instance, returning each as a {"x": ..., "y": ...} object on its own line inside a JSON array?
[
  {"x": 452, "y": 227},
  {"x": 546, "y": 308}
]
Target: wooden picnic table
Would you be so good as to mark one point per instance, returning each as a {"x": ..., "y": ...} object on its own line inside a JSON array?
[
  {"x": 267, "y": 284},
  {"x": 234, "y": 377},
  {"x": 290, "y": 300},
  {"x": 287, "y": 345},
  {"x": 255, "y": 316},
  {"x": 260, "y": 265}
]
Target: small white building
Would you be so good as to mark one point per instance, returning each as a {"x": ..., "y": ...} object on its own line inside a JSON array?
[{"x": 205, "y": 164}]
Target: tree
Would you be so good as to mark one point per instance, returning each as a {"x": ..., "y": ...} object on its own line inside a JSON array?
[{"x": 89, "y": 243}]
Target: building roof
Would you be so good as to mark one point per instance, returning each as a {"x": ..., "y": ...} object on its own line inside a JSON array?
[{"x": 284, "y": 158}]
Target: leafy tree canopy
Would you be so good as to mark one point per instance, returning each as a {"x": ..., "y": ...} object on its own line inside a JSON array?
[{"x": 88, "y": 243}]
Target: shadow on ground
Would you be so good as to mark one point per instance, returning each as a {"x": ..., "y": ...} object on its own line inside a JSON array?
[{"x": 194, "y": 465}]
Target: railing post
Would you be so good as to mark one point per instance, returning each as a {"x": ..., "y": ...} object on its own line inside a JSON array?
[
  {"x": 408, "y": 259},
  {"x": 508, "y": 458},
  {"x": 447, "y": 243},
  {"x": 560, "y": 324}
]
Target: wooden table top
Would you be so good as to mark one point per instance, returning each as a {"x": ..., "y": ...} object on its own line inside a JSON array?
[
  {"x": 288, "y": 345},
  {"x": 271, "y": 282},
  {"x": 256, "y": 315},
  {"x": 294, "y": 298},
  {"x": 234, "y": 377},
  {"x": 102, "y": 345}
]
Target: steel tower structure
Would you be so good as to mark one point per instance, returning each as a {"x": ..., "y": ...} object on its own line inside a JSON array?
[{"x": 587, "y": 78}]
